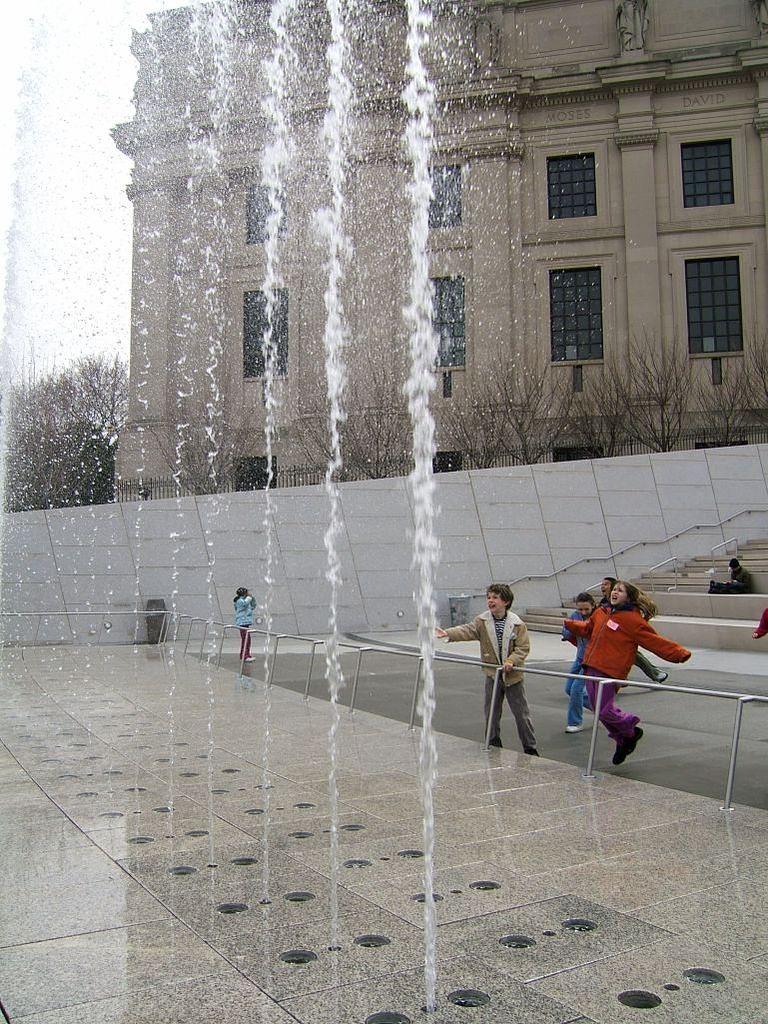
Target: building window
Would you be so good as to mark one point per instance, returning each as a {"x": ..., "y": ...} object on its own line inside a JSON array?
[
  {"x": 447, "y": 462},
  {"x": 251, "y": 473},
  {"x": 717, "y": 372},
  {"x": 254, "y": 331},
  {"x": 707, "y": 173},
  {"x": 576, "y": 314},
  {"x": 571, "y": 186},
  {"x": 257, "y": 214},
  {"x": 713, "y": 291},
  {"x": 448, "y": 385},
  {"x": 577, "y": 379},
  {"x": 448, "y": 320},
  {"x": 445, "y": 207}
]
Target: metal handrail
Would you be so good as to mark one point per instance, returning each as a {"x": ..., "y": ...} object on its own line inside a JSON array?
[
  {"x": 674, "y": 560},
  {"x": 637, "y": 544},
  {"x": 292, "y": 636},
  {"x": 209, "y": 622},
  {"x": 192, "y": 621},
  {"x": 723, "y": 544},
  {"x": 228, "y": 625},
  {"x": 179, "y": 616}
]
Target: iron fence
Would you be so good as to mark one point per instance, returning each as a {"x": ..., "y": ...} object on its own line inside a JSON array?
[{"x": 158, "y": 487}]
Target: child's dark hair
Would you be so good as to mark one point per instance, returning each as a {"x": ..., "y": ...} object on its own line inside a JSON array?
[
  {"x": 240, "y": 592},
  {"x": 611, "y": 580},
  {"x": 734, "y": 564},
  {"x": 587, "y": 598},
  {"x": 502, "y": 590}
]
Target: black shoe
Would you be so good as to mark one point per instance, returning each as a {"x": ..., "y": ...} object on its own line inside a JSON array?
[
  {"x": 532, "y": 751},
  {"x": 495, "y": 743},
  {"x": 623, "y": 750}
]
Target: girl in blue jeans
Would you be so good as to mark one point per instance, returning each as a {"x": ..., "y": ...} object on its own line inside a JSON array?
[{"x": 576, "y": 683}]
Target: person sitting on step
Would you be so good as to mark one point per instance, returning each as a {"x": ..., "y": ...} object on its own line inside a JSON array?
[{"x": 740, "y": 581}]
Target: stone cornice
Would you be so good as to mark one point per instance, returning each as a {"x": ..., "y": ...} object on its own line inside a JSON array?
[
  {"x": 563, "y": 99},
  {"x": 761, "y": 124},
  {"x": 710, "y": 223},
  {"x": 641, "y": 137},
  {"x": 554, "y": 237}
]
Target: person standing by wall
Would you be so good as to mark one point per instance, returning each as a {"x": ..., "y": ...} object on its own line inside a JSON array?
[{"x": 245, "y": 605}]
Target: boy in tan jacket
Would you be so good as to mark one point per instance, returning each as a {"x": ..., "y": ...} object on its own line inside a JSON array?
[{"x": 504, "y": 641}]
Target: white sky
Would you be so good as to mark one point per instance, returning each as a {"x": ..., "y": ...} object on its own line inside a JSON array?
[{"x": 66, "y": 77}]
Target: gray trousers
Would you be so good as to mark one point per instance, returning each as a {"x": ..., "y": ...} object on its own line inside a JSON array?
[{"x": 518, "y": 705}]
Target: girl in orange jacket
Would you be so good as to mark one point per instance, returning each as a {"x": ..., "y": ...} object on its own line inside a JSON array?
[{"x": 614, "y": 633}]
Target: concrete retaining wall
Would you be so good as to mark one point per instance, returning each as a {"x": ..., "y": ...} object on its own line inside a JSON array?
[{"x": 500, "y": 524}]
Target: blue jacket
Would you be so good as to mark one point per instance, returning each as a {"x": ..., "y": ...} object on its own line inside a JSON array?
[
  {"x": 581, "y": 644},
  {"x": 244, "y": 607}
]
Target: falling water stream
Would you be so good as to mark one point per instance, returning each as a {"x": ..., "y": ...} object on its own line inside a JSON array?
[
  {"x": 419, "y": 100},
  {"x": 339, "y": 250},
  {"x": 213, "y": 27},
  {"x": 275, "y": 160}
]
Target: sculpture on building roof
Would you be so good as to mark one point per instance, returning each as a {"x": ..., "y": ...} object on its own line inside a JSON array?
[
  {"x": 632, "y": 22},
  {"x": 760, "y": 9}
]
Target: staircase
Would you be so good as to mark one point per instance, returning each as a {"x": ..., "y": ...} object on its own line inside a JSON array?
[{"x": 688, "y": 614}]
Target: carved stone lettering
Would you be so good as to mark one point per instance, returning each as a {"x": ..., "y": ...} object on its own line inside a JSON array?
[
  {"x": 569, "y": 116},
  {"x": 703, "y": 99}
]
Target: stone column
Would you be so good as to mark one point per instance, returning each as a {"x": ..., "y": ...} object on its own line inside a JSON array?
[
  {"x": 761, "y": 127},
  {"x": 150, "y": 296},
  {"x": 636, "y": 138}
]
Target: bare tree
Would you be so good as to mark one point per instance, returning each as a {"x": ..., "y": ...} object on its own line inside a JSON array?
[
  {"x": 63, "y": 435},
  {"x": 658, "y": 376},
  {"x": 757, "y": 373},
  {"x": 376, "y": 434},
  {"x": 535, "y": 405},
  {"x": 205, "y": 457},
  {"x": 724, "y": 407},
  {"x": 599, "y": 413},
  {"x": 473, "y": 424}
]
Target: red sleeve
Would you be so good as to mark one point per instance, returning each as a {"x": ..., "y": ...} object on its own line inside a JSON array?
[
  {"x": 582, "y": 628},
  {"x": 647, "y": 637},
  {"x": 579, "y": 628}
]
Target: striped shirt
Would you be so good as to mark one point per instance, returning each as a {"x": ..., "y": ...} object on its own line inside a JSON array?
[{"x": 499, "y": 624}]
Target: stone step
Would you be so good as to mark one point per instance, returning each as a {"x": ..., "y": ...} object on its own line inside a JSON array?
[{"x": 737, "y": 607}]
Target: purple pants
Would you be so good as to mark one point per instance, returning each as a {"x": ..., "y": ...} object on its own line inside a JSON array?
[{"x": 620, "y": 724}]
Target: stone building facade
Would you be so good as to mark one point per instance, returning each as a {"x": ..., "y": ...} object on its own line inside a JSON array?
[{"x": 601, "y": 182}]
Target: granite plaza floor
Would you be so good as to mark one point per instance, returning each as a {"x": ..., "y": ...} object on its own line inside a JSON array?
[{"x": 119, "y": 767}]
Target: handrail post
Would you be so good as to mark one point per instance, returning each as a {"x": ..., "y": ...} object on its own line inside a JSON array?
[
  {"x": 192, "y": 622},
  {"x": 271, "y": 673},
  {"x": 734, "y": 753},
  {"x": 352, "y": 700},
  {"x": 221, "y": 642},
  {"x": 489, "y": 723},
  {"x": 588, "y": 773},
  {"x": 416, "y": 682},
  {"x": 205, "y": 637},
  {"x": 311, "y": 666}
]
